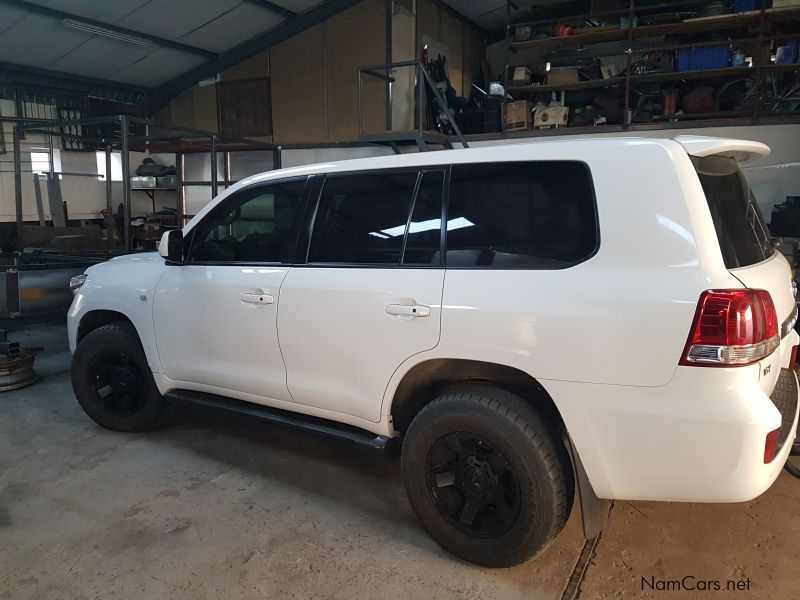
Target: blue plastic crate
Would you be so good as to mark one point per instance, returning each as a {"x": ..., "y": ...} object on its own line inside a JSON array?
[
  {"x": 707, "y": 57},
  {"x": 744, "y": 5}
]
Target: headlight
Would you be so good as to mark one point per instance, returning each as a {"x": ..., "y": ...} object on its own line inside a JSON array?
[{"x": 76, "y": 282}]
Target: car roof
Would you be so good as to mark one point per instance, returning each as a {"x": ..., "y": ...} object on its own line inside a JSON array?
[{"x": 561, "y": 149}]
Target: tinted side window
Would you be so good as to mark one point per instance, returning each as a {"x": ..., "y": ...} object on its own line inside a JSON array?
[
  {"x": 257, "y": 225},
  {"x": 520, "y": 215},
  {"x": 423, "y": 240},
  {"x": 362, "y": 218}
]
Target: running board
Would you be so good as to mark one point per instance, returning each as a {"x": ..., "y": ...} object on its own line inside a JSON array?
[{"x": 359, "y": 437}]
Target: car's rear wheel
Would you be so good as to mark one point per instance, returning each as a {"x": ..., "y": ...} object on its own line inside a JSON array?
[
  {"x": 112, "y": 381},
  {"x": 487, "y": 478}
]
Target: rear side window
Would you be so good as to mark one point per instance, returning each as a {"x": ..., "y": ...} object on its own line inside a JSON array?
[
  {"x": 524, "y": 215},
  {"x": 362, "y": 218},
  {"x": 742, "y": 233}
]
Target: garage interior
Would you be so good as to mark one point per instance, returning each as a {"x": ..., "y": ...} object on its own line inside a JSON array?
[{"x": 121, "y": 120}]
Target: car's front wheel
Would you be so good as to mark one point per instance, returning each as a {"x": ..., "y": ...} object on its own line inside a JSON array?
[
  {"x": 112, "y": 380},
  {"x": 488, "y": 479}
]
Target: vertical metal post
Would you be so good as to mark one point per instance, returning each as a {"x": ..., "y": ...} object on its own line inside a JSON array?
[
  {"x": 126, "y": 184},
  {"x": 226, "y": 169},
  {"x": 505, "y": 69},
  {"x": 109, "y": 209},
  {"x": 759, "y": 71},
  {"x": 389, "y": 90},
  {"x": 277, "y": 158},
  {"x": 213, "y": 166},
  {"x": 181, "y": 208},
  {"x": 627, "y": 118},
  {"x": 360, "y": 107},
  {"x": 420, "y": 82},
  {"x": 18, "y": 188}
]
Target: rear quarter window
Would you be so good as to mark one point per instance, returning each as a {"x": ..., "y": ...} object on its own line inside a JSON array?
[
  {"x": 521, "y": 215},
  {"x": 741, "y": 230}
]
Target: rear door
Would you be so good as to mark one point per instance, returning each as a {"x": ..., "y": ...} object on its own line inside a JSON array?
[
  {"x": 747, "y": 248},
  {"x": 369, "y": 294}
]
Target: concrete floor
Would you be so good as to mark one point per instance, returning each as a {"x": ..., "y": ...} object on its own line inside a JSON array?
[{"x": 216, "y": 505}]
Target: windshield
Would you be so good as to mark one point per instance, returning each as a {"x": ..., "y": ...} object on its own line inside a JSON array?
[{"x": 742, "y": 233}]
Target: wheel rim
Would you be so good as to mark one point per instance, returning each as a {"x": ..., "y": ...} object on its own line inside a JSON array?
[
  {"x": 118, "y": 384},
  {"x": 472, "y": 484}
]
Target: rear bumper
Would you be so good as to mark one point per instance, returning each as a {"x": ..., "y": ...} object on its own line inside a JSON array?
[{"x": 700, "y": 438}]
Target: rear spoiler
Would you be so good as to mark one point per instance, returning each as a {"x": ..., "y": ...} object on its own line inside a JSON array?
[{"x": 739, "y": 150}]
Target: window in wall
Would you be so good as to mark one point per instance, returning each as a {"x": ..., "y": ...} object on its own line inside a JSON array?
[
  {"x": 423, "y": 242},
  {"x": 116, "y": 166},
  {"x": 362, "y": 218},
  {"x": 520, "y": 215},
  {"x": 40, "y": 161},
  {"x": 257, "y": 225}
]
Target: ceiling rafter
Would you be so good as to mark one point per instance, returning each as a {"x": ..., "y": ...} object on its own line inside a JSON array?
[
  {"x": 53, "y": 13},
  {"x": 276, "y": 8}
]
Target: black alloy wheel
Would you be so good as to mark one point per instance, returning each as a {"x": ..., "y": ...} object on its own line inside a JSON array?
[{"x": 473, "y": 485}]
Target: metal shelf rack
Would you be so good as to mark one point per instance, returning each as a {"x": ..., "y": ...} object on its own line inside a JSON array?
[{"x": 762, "y": 26}]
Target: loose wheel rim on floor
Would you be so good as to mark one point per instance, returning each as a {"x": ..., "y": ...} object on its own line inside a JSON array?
[
  {"x": 118, "y": 383},
  {"x": 473, "y": 485}
]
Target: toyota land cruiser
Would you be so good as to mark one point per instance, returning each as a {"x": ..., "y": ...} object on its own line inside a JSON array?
[{"x": 520, "y": 321}]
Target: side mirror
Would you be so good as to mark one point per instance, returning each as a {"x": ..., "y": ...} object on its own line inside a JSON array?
[{"x": 171, "y": 246}]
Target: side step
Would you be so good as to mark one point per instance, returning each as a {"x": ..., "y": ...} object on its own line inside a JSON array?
[{"x": 359, "y": 437}]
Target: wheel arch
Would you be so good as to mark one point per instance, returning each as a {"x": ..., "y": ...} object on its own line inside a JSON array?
[
  {"x": 96, "y": 318},
  {"x": 425, "y": 380}
]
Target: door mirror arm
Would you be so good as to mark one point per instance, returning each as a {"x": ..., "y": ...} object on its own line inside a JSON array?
[{"x": 171, "y": 246}]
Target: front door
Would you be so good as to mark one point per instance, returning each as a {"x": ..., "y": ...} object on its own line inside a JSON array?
[
  {"x": 215, "y": 316},
  {"x": 369, "y": 296}
]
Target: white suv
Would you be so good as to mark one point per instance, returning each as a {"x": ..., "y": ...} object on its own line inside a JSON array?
[{"x": 520, "y": 319}]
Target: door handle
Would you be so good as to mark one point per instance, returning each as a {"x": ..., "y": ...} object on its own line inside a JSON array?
[
  {"x": 408, "y": 310},
  {"x": 257, "y": 297}
]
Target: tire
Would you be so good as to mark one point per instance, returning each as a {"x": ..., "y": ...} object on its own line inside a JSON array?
[
  {"x": 487, "y": 478},
  {"x": 112, "y": 380}
]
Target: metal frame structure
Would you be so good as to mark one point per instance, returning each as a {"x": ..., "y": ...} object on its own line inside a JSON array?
[
  {"x": 420, "y": 135},
  {"x": 167, "y": 139}
]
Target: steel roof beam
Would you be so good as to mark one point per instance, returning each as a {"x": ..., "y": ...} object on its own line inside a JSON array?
[{"x": 276, "y": 8}]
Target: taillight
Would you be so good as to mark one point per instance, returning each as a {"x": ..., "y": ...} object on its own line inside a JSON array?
[{"x": 732, "y": 328}]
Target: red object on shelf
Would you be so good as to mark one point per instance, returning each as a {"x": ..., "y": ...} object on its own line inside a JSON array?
[{"x": 560, "y": 30}]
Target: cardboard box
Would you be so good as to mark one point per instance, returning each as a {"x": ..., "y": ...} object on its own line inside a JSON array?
[
  {"x": 518, "y": 115},
  {"x": 522, "y": 76},
  {"x": 562, "y": 75},
  {"x": 550, "y": 117}
]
